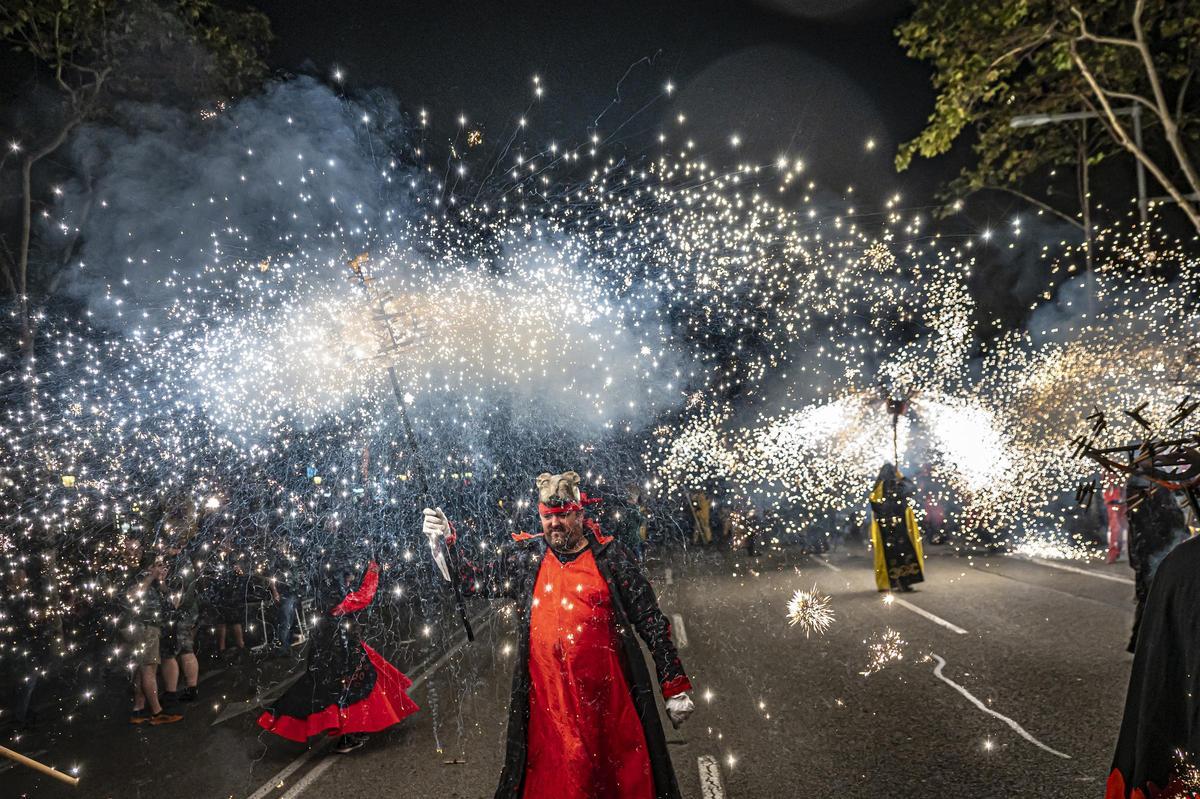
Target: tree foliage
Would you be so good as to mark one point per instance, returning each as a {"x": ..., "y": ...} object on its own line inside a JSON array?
[
  {"x": 998, "y": 60},
  {"x": 93, "y": 54}
]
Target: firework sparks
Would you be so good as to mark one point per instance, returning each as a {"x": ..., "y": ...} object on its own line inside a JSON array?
[
  {"x": 811, "y": 611},
  {"x": 883, "y": 649}
]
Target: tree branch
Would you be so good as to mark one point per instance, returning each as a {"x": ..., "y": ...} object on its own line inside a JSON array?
[
  {"x": 1016, "y": 51},
  {"x": 1084, "y": 33},
  {"x": 1124, "y": 139},
  {"x": 1183, "y": 89},
  {"x": 1133, "y": 98},
  {"x": 1170, "y": 129},
  {"x": 1034, "y": 201}
]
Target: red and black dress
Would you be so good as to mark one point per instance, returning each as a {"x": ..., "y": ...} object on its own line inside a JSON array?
[{"x": 348, "y": 687}]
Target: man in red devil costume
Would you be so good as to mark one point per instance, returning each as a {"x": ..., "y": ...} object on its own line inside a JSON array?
[{"x": 583, "y": 723}]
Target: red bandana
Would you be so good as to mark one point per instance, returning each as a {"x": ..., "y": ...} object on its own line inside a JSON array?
[{"x": 568, "y": 507}]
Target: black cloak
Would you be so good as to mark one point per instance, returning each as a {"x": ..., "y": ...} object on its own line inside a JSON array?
[
  {"x": 1160, "y": 732},
  {"x": 512, "y": 574}
]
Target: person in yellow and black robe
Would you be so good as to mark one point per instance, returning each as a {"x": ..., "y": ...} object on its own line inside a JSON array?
[{"x": 895, "y": 539}]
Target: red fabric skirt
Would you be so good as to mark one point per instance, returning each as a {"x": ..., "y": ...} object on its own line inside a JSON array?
[{"x": 387, "y": 704}]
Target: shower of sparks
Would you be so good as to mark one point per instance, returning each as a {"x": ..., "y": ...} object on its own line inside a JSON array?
[
  {"x": 810, "y": 611},
  {"x": 667, "y": 319},
  {"x": 883, "y": 649}
]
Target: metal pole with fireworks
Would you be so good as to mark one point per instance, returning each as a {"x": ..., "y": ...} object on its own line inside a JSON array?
[
  {"x": 897, "y": 408},
  {"x": 391, "y": 345},
  {"x": 1173, "y": 463}
]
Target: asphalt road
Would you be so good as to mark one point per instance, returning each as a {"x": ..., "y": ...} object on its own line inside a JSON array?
[{"x": 1032, "y": 679}]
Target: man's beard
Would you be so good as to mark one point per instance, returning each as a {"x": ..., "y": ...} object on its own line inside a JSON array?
[{"x": 566, "y": 544}]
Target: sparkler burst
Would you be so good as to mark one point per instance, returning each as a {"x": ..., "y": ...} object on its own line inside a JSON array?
[
  {"x": 811, "y": 611},
  {"x": 883, "y": 649},
  {"x": 660, "y": 319}
]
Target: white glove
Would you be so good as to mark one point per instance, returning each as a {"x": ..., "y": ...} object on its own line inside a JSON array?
[
  {"x": 679, "y": 707},
  {"x": 436, "y": 527}
]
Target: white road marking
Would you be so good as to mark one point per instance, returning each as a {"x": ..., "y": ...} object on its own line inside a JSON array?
[
  {"x": 711, "y": 786},
  {"x": 669, "y": 576},
  {"x": 311, "y": 777},
  {"x": 278, "y": 779},
  {"x": 937, "y": 672},
  {"x": 921, "y": 612},
  {"x": 678, "y": 630},
  {"x": 268, "y": 697},
  {"x": 827, "y": 564},
  {"x": 1075, "y": 569},
  {"x": 324, "y": 743}
]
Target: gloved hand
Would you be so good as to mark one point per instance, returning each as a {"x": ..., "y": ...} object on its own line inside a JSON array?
[
  {"x": 436, "y": 527},
  {"x": 679, "y": 707}
]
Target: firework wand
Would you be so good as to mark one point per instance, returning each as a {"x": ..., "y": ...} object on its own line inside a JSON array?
[
  {"x": 393, "y": 344},
  {"x": 40, "y": 767}
]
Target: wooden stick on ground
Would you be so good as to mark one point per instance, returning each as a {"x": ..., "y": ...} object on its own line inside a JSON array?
[{"x": 36, "y": 766}]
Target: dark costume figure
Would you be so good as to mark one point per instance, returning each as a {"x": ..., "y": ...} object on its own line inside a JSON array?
[
  {"x": 895, "y": 539},
  {"x": 348, "y": 687},
  {"x": 1118, "y": 518},
  {"x": 583, "y": 723},
  {"x": 1159, "y": 743},
  {"x": 626, "y": 520},
  {"x": 1156, "y": 525}
]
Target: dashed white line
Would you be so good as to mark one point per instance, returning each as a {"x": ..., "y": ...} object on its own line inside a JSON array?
[
  {"x": 669, "y": 576},
  {"x": 1076, "y": 570},
  {"x": 937, "y": 672},
  {"x": 678, "y": 630},
  {"x": 827, "y": 564},
  {"x": 711, "y": 786},
  {"x": 921, "y": 612}
]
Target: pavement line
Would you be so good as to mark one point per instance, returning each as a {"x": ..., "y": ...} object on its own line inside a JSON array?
[
  {"x": 268, "y": 697},
  {"x": 311, "y": 777},
  {"x": 1077, "y": 570},
  {"x": 325, "y": 742},
  {"x": 935, "y": 619},
  {"x": 827, "y": 564},
  {"x": 679, "y": 631},
  {"x": 937, "y": 672},
  {"x": 670, "y": 577},
  {"x": 278, "y": 779},
  {"x": 711, "y": 786}
]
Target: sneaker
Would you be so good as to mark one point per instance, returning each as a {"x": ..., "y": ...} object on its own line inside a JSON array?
[
  {"x": 348, "y": 743},
  {"x": 139, "y": 716},
  {"x": 188, "y": 694},
  {"x": 165, "y": 718}
]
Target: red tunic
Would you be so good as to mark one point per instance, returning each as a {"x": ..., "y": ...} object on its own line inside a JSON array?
[{"x": 585, "y": 740}]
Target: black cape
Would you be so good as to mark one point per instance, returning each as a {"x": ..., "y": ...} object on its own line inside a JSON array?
[
  {"x": 1156, "y": 525},
  {"x": 1160, "y": 732},
  {"x": 513, "y": 575}
]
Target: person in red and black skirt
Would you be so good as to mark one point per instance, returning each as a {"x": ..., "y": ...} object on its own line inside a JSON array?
[{"x": 348, "y": 688}]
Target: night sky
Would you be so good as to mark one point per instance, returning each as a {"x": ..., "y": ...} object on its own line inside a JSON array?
[{"x": 813, "y": 79}]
